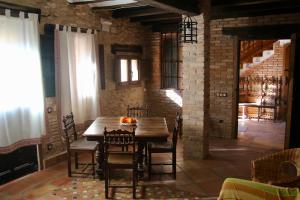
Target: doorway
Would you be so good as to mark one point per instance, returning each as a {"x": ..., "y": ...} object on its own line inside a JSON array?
[{"x": 263, "y": 91}]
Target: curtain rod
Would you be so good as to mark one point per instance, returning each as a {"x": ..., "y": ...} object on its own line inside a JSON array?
[
  {"x": 18, "y": 8},
  {"x": 49, "y": 28}
]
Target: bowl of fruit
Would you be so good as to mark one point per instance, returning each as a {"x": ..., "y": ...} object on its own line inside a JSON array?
[{"x": 128, "y": 121}]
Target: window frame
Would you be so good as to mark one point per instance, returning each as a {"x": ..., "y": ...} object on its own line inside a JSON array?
[
  {"x": 164, "y": 60},
  {"x": 129, "y": 58}
]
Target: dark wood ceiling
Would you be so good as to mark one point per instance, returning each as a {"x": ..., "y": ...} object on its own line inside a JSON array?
[
  {"x": 247, "y": 8},
  {"x": 168, "y": 13},
  {"x": 159, "y": 14}
]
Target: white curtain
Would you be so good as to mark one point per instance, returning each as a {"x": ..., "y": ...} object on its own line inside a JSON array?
[
  {"x": 77, "y": 75},
  {"x": 21, "y": 89}
]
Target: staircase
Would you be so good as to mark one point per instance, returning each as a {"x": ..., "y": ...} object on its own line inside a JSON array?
[
  {"x": 262, "y": 79},
  {"x": 255, "y": 51}
]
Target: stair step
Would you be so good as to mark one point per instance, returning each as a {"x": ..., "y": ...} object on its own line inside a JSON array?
[
  {"x": 267, "y": 53},
  {"x": 264, "y": 55},
  {"x": 246, "y": 65},
  {"x": 256, "y": 60},
  {"x": 283, "y": 42}
]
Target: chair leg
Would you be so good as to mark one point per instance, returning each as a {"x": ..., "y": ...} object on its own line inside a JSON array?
[
  {"x": 76, "y": 160},
  {"x": 106, "y": 182},
  {"x": 146, "y": 153},
  {"x": 149, "y": 165},
  {"x": 93, "y": 165},
  {"x": 134, "y": 183},
  {"x": 69, "y": 165},
  {"x": 174, "y": 164}
]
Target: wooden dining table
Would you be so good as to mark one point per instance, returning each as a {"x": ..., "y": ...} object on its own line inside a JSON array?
[{"x": 147, "y": 129}]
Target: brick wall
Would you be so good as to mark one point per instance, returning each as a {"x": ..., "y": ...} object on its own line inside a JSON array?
[
  {"x": 201, "y": 81},
  {"x": 223, "y": 70},
  {"x": 193, "y": 87},
  {"x": 57, "y": 11},
  {"x": 113, "y": 101},
  {"x": 157, "y": 100},
  {"x": 272, "y": 66},
  {"x": 196, "y": 90},
  {"x": 61, "y": 12}
]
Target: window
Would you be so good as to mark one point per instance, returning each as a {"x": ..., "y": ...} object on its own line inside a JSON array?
[
  {"x": 21, "y": 97},
  {"x": 134, "y": 70},
  {"x": 169, "y": 60},
  {"x": 124, "y": 70},
  {"x": 78, "y": 76},
  {"x": 129, "y": 71}
]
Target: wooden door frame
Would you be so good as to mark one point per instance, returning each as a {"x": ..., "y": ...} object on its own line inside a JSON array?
[
  {"x": 236, "y": 98},
  {"x": 265, "y": 32},
  {"x": 292, "y": 128},
  {"x": 237, "y": 44}
]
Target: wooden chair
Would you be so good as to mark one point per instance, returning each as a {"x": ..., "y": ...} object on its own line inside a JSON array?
[
  {"x": 77, "y": 145},
  {"x": 281, "y": 169},
  {"x": 138, "y": 111},
  {"x": 165, "y": 147},
  {"x": 114, "y": 159}
]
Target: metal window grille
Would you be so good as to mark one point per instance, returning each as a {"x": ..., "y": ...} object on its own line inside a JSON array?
[{"x": 169, "y": 60}]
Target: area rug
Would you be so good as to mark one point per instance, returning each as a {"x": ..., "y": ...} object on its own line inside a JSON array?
[{"x": 82, "y": 188}]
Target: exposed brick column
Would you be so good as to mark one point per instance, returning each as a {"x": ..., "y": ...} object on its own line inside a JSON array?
[{"x": 196, "y": 89}]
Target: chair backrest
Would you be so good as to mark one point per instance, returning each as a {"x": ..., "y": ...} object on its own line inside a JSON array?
[
  {"x": 177, "y": 129},
  {"x": 69, "y": 128},
  {"x": 138, "y": 111},
  {"x": 121, "y": 138}
]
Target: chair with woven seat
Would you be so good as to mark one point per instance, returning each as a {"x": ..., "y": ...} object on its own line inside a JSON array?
[
  {"x": 77, "y": 145},
  {"x": 281, "y": 169},
  {"x": 116, "y": 159},
  {"x": 165, "y": 147}
]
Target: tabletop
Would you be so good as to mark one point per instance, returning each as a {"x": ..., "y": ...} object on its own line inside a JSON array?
[{"x": 147, "y": 128}]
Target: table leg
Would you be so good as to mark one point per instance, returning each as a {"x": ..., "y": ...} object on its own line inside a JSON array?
[
  {"x": 141, "y": 146},
  {"x": 100, "y": 160},
  {"x": 275, "y": 114}
]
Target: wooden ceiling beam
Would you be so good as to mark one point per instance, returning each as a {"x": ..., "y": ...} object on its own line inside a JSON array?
[
  {"x": 165, "y": 27},
  {"x": 155, "y": 18},
  {"x": 220, "y": 12},
  {"x": 86, "y": 2},
  {"x": 17, "y": 7},
  {"x": 175, "y": 6},
  {"x": 281, "y": 31},
  {"x": 137, "y": 12},
  {"x": 116, "y": 7},
  {"x": 243, "y": 2},
  {"x": 162, "y": 22}
]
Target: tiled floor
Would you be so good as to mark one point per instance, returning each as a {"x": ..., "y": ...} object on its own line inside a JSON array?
[
  {"x": 196, "y": 179},
  {"x": 264, "y": 132}
]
